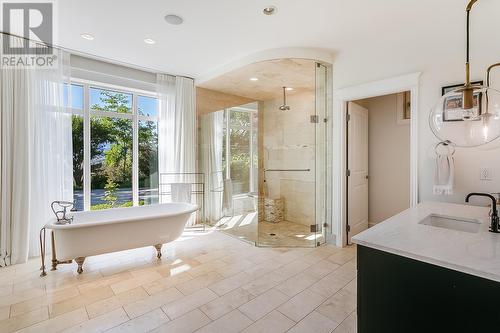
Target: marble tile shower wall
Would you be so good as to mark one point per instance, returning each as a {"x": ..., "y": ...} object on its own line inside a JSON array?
[{"x": 289, "y": 143}]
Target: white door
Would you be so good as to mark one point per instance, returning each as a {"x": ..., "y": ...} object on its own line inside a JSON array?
[{"x": 357, "y": 165}]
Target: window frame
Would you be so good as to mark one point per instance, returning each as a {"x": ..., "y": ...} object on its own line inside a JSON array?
[
  {"x": 227, "y": 152},
  {"x": 88, "y": 112}
]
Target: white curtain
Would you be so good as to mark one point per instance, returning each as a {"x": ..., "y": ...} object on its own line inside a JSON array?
[
  {"x": 36, "y": 154},
  {"x": 177, "y": 124},
  {"x": 176, "y": 127},
  {"x": 165, "y": 85},
  {"x": 212, "y": 134}
]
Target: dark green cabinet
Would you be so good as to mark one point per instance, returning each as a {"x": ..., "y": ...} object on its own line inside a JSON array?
[{"x": 398, "y": 294}]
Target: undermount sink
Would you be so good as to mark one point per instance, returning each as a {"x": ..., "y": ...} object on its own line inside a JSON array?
[{"x": 450, "y": 222}]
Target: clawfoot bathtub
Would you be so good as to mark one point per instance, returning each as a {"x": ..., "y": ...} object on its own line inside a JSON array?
[{"x": 97, "y": 232}]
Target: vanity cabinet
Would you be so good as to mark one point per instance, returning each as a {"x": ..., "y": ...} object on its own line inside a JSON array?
[{"x": 398, "y": 294}]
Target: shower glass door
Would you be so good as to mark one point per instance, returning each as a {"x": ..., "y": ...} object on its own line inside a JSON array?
[
  {"x": 323, "y": 151},
  {"x": 292, "y": 165},
  {"x": 229, "y": 160}
]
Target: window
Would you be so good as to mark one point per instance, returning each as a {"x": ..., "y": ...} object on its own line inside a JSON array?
[
  {"x": 148, "y": 150},
  {"x": 148, "y": 162},
  {"x": 115, "y": 147},
  {"x": 111, "y": 162},
  {"x": 77, "y": 125},
  {"x": 239, "y": 146},
  {"x": 74, "y": 93}
]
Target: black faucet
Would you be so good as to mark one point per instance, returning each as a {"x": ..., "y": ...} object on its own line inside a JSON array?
[{"x": 494, "y": 227}]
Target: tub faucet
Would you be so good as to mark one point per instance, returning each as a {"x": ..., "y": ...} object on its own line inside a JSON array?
[
  {"x": 494, "y": 227},
  {"x": 61, "y": 214}
]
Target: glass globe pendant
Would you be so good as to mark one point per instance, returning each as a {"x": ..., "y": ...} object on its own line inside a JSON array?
[
  {"x": 468, "y": 116},
  {"x": 466, "y": 125}
]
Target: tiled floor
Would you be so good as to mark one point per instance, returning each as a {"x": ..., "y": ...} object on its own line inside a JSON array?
[
  {"x": 206, "y": 282},
  {"x": 284, "y": 233}
]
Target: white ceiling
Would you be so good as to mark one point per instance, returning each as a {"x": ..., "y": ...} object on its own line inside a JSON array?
[
  {"x": 218, "y": 32},
  {"x": 272, "y": 75}
]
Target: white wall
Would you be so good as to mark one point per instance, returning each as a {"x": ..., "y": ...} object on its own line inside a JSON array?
[
  {"x": 106, "y": 72},
  {"x": 439, "y": 54},
  {"x": 388, "y": 158}
]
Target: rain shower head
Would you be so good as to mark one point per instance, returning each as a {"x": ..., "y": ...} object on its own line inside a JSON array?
[{"x": 284, "y": 106}]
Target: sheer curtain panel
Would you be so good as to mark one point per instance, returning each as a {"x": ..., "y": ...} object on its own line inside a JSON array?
[
  {"x": 177, "y": 124},
  {"x": 36, "y": 153},
  {"x": 212, "y": 134}
]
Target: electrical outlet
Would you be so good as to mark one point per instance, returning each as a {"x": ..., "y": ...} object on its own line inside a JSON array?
[{"x": 485, "y": 174}]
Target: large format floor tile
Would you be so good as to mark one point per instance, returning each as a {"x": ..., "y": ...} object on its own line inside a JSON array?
[
  {"x": 205, "y": 282},
  {"x": 144, "y": 323},
  {"x": 227, "y": 303},
  {"x": 274, "y": 321},
  {"x": 187, "y": 323},
  {"x": 232, "y": 322},
  {"x": 301, "y": 305},
  {"x": 262, "y": 305},
  {"x": 314, "y": 323},
  {"x": 101, "y": 323}
]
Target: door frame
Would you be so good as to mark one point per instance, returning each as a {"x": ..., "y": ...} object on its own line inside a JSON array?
[{"x": 408, "y": 82}]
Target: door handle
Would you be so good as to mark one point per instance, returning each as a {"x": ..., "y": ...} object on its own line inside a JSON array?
[{"x": 366, "y": 177}]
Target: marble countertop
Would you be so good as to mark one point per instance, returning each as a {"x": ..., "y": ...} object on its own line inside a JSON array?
[{"x": 473, "y": 253}]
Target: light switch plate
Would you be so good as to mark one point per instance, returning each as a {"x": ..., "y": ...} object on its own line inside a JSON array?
[{"x": 485, "y": 174}]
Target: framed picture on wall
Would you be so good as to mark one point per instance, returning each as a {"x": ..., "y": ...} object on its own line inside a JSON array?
[
  {"x": 403, "y": 109},
  {"x": 453, "y": 104},
  {"x": 407, "y": 105}
]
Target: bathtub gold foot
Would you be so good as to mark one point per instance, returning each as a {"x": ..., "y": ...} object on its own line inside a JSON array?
[
  {"x": 158, "y": 250},
  {"x": 42, "y": 251},
  {"x": 80, "y": 261},
  {"x": 53, "y": 243}
]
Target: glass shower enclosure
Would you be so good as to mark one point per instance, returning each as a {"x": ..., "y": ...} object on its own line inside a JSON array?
[
  {"x": 267, "y": 169},
  {"x": 293, "y": 185}
]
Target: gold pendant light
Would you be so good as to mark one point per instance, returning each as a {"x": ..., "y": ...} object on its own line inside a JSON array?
[{"x": 468, "y": 116}]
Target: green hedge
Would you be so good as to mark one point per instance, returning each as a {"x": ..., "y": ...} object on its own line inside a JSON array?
[{"x": 109, "y": 206}]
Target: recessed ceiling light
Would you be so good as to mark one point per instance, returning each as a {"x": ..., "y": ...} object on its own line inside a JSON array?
[
  {"x": 149, "y": 41},
  {"x": 174, "y": 19},
  {"x": 254, "y": 79},
  {"x": 87, "y": 36},
  {"x": 289, "y": 88},
  {"x": 270, "y": 10}
]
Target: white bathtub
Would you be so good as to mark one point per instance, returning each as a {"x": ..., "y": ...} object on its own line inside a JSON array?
[{"x": 98, "y": 232}]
